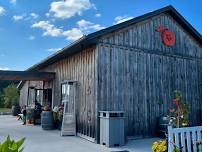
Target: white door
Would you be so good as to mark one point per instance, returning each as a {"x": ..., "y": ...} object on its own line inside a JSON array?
[{"x": 69, "y": 116}]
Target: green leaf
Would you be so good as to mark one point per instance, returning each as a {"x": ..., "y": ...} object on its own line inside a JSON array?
[
  {"x": 20, "y": 142},
  {"x": 21, "y": 149},
  {"x": 11, "y": 145}
]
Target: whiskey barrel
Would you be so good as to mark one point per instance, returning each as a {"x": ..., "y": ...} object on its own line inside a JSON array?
[{"x": 47, "y": 121}]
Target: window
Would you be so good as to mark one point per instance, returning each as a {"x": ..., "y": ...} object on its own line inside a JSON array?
[
  {"x": 39, "y": 96},
  {"x": 65, "y": 92}
]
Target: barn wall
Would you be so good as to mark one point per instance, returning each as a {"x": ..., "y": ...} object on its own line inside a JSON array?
[
  {"x": 143, "y": 85},
  {"x": 80, "y": 67},
  {"x": 138, "y": 74}
]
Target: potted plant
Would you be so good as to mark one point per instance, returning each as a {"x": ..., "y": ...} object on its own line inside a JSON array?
[
  {"x": 179, "y": 113},
  {"x": 56, "y": 116}
]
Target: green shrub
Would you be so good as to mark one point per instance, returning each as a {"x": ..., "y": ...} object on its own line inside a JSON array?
[
  {"x": 12, "y": 146},
  {"x": 1, "y": 100}
]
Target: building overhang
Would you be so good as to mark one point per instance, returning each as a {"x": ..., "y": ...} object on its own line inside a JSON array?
[{"x": 27, "y": 75}]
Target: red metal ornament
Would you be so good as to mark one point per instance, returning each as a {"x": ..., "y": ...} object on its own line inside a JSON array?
[{"x": 168, "y": 37}]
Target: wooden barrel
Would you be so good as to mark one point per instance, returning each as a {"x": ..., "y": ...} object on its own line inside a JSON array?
[
  {"x": 163, "y": 123},
  {"x": 47, "y": 121}
]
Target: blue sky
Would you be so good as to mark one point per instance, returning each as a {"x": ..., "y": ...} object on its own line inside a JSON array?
[{"x": 34, "y": 29}]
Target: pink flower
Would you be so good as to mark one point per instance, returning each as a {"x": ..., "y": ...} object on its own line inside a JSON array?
[
  {"x": 172, "y": 110},
  {"x": 176, "y": 102}
]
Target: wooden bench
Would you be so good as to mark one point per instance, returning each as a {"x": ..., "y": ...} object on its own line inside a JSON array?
[{"x": 188, "y": 139}]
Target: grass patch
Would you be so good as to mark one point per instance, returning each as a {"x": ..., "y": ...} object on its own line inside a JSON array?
[{"x": 5, "y": 110}]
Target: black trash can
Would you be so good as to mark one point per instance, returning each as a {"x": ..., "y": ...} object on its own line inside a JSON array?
[
  {"x": 163, "y": 123},
  {"x": 47, "y": 122}
]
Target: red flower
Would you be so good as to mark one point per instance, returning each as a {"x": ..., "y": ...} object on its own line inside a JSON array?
[
  {"x": 171, "y": 110},
  {"x": 176, "y": 102}
]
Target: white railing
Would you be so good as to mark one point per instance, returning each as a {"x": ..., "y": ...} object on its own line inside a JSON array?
[{"x": 188, "y": 139}]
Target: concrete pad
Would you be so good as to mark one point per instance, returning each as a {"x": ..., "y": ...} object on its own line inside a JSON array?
[{"x": 38, "y": 140}]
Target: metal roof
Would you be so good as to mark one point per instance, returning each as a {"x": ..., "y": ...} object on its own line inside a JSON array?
[{"x": 92, "y": 38}]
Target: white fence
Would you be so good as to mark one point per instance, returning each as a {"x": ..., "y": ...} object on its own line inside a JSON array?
[{"x": 188, "y": 139}]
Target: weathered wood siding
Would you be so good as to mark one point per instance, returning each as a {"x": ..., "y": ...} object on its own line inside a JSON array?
[
  {"x": 24, "y": 94},
  {"x": 80, "y": 67},
  {"x": 143, "y": 35},
  {"x": 138, "y": 74}
]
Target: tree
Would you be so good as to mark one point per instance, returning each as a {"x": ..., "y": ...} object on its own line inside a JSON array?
[
  {"x": 4, "y": 84},
  {"x": 1, "y": 100},
  {"x": 11, "y": 96}
]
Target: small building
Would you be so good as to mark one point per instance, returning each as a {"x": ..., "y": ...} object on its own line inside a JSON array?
[{"x": 134, "y": 67}]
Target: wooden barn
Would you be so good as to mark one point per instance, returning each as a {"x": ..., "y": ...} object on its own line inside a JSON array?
[{"x": 134, "y": 67}]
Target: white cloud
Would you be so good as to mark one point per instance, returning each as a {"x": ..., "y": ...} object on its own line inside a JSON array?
[
  {"x": 47, "y": 14},
  {"x": 49, "y": 29},
  {"x": 87, "y": 25},
  {"x": 18, "y": 17},
  {"x": 13, "y": 1},
  {"x": 120, "y": 19},
  {"x": 98, "y": 15},
  {"x": 69, "y": 8},
  {"x": 54, "y": 49},
  {"x": 73, "y": 34},
  {"x": 2, "y": 11},
  {"x": 31, "y": 16},
  {"x": 82, "y": 26},
  {"x": 34, "y": 15},
  {"x": 31, "y": 37},
  {"x": 4, "y": 68}
]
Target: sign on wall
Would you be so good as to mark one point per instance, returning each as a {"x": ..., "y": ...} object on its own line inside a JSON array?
[{"x": 167, "y": 36}]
